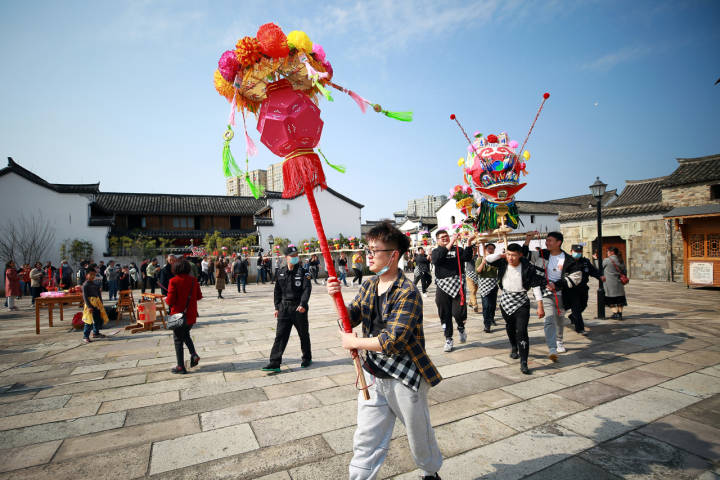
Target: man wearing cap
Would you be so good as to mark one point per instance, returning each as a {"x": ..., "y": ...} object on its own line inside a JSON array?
[
  {"x": 579, "y": 294},
  {"x": 292, "y": 292}
]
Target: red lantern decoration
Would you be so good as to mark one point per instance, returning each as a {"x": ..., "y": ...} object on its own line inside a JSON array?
[{"x": 290, "y": 126}]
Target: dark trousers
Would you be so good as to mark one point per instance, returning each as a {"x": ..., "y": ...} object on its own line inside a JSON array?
[
  {"x": 286, "y": 319},
  {"x": 241, "y": 282},
  {"x": 182, "y": 336},
  {"x": 489, "y": 303},
  {"x": 425, "y": 279},
  {"x": 95, "y": 326},
  {"x": 579, "y": 300},
  {"x": 35, "y": 292},
  {"x": 516, "y": 326},
  {"x": 449, "y": 307},
  {"x": 314, "y": 274},
  {"x": 151, "y": 284},
  {"x": 358, "y": 276}
]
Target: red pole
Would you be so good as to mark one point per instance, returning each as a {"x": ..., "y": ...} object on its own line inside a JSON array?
[{"x": 339, "y": 302}]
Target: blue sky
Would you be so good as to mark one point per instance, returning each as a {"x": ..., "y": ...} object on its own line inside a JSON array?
[{"x": 121, "y": 92}]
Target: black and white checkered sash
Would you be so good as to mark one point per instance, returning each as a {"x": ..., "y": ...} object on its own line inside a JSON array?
[
  {"x": 486, "y": 285},
  {"x": 449, "y": 285},
  {"x": 471, "y": 274},
  {"x": 401, "y": 368},
  {"x": 511, "y": 301}
]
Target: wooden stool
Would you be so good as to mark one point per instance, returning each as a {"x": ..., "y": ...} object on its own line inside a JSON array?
[
  {"x": 145, "y": 318},
  {"x": 159, "y": 301},
  {"x": 126, "y": 305}
]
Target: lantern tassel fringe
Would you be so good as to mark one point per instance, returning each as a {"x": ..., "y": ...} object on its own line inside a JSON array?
[
  {"x": 302, "y": 169},
  {"x": 256, "y": 190},
  {"x": 230, "y": 167},
  {"x": 339, "y": 168},
  {"x": 323, "y": 90},
  {"x": 402, "y": 116}
]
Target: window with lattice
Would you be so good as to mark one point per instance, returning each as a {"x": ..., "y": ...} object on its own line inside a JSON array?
[
  {"x": 697, "y": 245},
  {"x": 713, "y": 245}
]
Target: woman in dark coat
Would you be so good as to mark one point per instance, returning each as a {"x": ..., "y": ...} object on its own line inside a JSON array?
[
  {"x": 183, "y": 294},
  {"x": 613, "y": 266},
  {"x": 220, "y": 277}
]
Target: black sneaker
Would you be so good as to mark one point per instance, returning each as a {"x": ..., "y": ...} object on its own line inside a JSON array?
[
  {"x": 431, "y": 477},
  {"x": 524, "y": 368},
  {"x": 180, "y": 370},
  {"x": 194, "y": 360},
  {"x": 271, "y": 367},
  {"x": 514, "y": 354},
  {"x": 488, "y": 330},
  {"x": 305, "y": 363}
]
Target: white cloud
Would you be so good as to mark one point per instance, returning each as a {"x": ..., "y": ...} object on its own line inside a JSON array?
[{"x": 611, "y": 60}]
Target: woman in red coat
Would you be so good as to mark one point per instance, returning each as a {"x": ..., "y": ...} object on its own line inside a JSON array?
[
  {"x": 12, "y": 284},
  {"x": 183, "y": 294}
]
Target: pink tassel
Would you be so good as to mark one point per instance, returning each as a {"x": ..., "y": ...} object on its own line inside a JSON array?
[
  {"x": 311, "y": 72},
  {"x": 251, "y": 148},
  {"x": 362, "y": 103},
  {"x": 233, "y": 107}
]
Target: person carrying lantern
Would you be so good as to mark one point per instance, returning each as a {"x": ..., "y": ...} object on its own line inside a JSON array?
[
  {"x": 449, "y": 260},
  {"x": 292, "y": 292}
]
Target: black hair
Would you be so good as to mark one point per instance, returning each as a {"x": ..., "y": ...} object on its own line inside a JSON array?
[
  {"x": 181, "y": 266},
  {"x": 390, "y": 235},
  {"x": 557, "y": 236},
  {"x": 440, "y": 232},
  {"x": 514, "y": 247},
  {"x": 490, "y": 245}
]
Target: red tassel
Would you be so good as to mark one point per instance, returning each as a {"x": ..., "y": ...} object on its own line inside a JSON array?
[{"x": 300, "y": 170}]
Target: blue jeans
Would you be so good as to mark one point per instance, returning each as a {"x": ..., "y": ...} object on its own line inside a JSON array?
[
  {"x": 113, "y": 288},
  {"x": 342, "y": 276},
  {"x": 489, "y": 302},
  {"x": 95, "y": 326},
  {"x": 241, "y": 281}
]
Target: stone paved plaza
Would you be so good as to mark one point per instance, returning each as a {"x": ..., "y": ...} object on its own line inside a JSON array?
[{"x": 634, "y": 399}]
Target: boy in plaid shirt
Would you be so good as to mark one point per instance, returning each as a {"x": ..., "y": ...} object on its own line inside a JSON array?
[{"x": 398, "y": 370}]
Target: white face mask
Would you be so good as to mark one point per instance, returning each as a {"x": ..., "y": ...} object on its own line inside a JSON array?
[{"x": 385, "y": 268}]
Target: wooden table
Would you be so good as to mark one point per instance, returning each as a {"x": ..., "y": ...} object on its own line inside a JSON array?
[{"x": 41, "y": 302}]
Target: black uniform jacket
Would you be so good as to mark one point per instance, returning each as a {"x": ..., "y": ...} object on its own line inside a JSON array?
[
  {"x": 446, "y": 261},
  {"x": 293, "y": 285}
]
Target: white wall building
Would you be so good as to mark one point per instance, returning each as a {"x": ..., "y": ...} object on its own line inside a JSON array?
[
  {"x": 291, "y": 218},
  {"x": 64, "y": 207}
]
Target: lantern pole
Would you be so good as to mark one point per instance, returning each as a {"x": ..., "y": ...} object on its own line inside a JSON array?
[{"x": 339, "y": 302}]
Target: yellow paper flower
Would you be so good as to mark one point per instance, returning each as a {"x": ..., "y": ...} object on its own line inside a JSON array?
[
  {"x": 223, "y": 87},
  {"x": 300, "y": 41}
]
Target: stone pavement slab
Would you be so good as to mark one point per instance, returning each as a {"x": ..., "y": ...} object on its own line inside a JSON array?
[
  {"x": 696, "y": 384},
  {"x": 27, "y": 456},
  {"x": 697, "y": 438},
  {"x": 536, "y": 411},
  {"x": 592, "y": 393},
  {"x": 574, "y": 468},
  {"x": 202, "y": 447}
]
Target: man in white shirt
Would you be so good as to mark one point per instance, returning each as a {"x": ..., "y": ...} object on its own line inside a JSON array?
[
  {"x": 205, "y": 266},
  {"x": 561, "y": 273}
]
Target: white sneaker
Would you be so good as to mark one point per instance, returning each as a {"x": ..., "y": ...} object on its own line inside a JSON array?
[
  {"x": 560, "y": 347},
  {"x": 448, "y": 345},
  {"x": 463, "y": 337},
  {"x": 424, "y": 295}
]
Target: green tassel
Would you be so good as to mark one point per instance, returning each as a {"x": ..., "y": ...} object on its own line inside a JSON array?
[
  {"x": 230, "y": 168},
  {"x": 256, "y": 190},
  {"x": 323, "y": 90},
  {"x": 402, "y": 116},
  {"x": 339, "y": 168}
]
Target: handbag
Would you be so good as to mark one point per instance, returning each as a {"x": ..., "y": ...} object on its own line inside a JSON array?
[
  {"x": 177, "y": 320},
  {"x": 623, "y": 278}
]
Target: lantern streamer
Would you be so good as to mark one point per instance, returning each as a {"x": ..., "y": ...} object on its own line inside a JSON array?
[
  {"x": 230, "y": 168},
  {"x": 402, "y": 116},
  {"x": 339, "y": 168}
]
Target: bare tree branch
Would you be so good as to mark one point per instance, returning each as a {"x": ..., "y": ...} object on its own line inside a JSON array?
[{"x": 29, "y": 238}]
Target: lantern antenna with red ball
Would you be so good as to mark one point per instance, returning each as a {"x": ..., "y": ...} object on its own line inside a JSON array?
[
  {"x": 546, "y": 95},
  {"x": 477, "y": 154}
]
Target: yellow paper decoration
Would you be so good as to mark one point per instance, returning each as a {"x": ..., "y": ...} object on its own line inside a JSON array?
[
  {"x": 223, "y": 87},
  {"x": 300, "y": 41}
]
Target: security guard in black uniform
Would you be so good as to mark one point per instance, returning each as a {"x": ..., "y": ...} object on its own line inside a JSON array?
[
  {"x": 292, "y": 292},
  {"x": 579, "y": 294}
]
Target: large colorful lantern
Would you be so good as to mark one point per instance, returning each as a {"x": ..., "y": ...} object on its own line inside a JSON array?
[
  {"x": 494, "y": 165},
  {"x": 280, "y": 79}
]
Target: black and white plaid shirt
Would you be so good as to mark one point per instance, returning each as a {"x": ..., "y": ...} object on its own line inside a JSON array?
[
  {"x": 400, "y": 368},
  {"x": 450, "y": 285}
]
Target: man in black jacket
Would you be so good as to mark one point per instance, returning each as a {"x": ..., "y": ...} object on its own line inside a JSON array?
[
  {"x": 579, "y": 295},
  {"x": 449, "y": 261},
  {"x": 422, "y": 271},
  {"x": 561, "y": 273},
  {"x": 240, "y": 272},
  {"x": 166, "y": 274},
  {"x": 292, "y": 292},
  {"x": 515, "y": 276}
]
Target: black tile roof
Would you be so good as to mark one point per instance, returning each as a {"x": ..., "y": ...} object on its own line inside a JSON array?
[
  {"x": 172, "y": 204},
  {"x": 273, "y": 194},
  {"x": 550, "y": 208},
  {"x": 610, "y": 212},
  {"x": 707, "y": 209},
  {"x": 181, "y": 233},
  {"x": 638, "y": 192},
  {"x": 586, "y": 200},
  {"x": 14, "y": 167},
  {"x": 694, "y": 170}
]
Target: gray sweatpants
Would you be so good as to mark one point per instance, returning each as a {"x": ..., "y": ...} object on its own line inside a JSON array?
[
  {"x": 390, "y": 399},
  {"x": 553, "y": 322}
]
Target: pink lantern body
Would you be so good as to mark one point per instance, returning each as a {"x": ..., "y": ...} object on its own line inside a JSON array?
[{"x": 290, "y": 126}]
